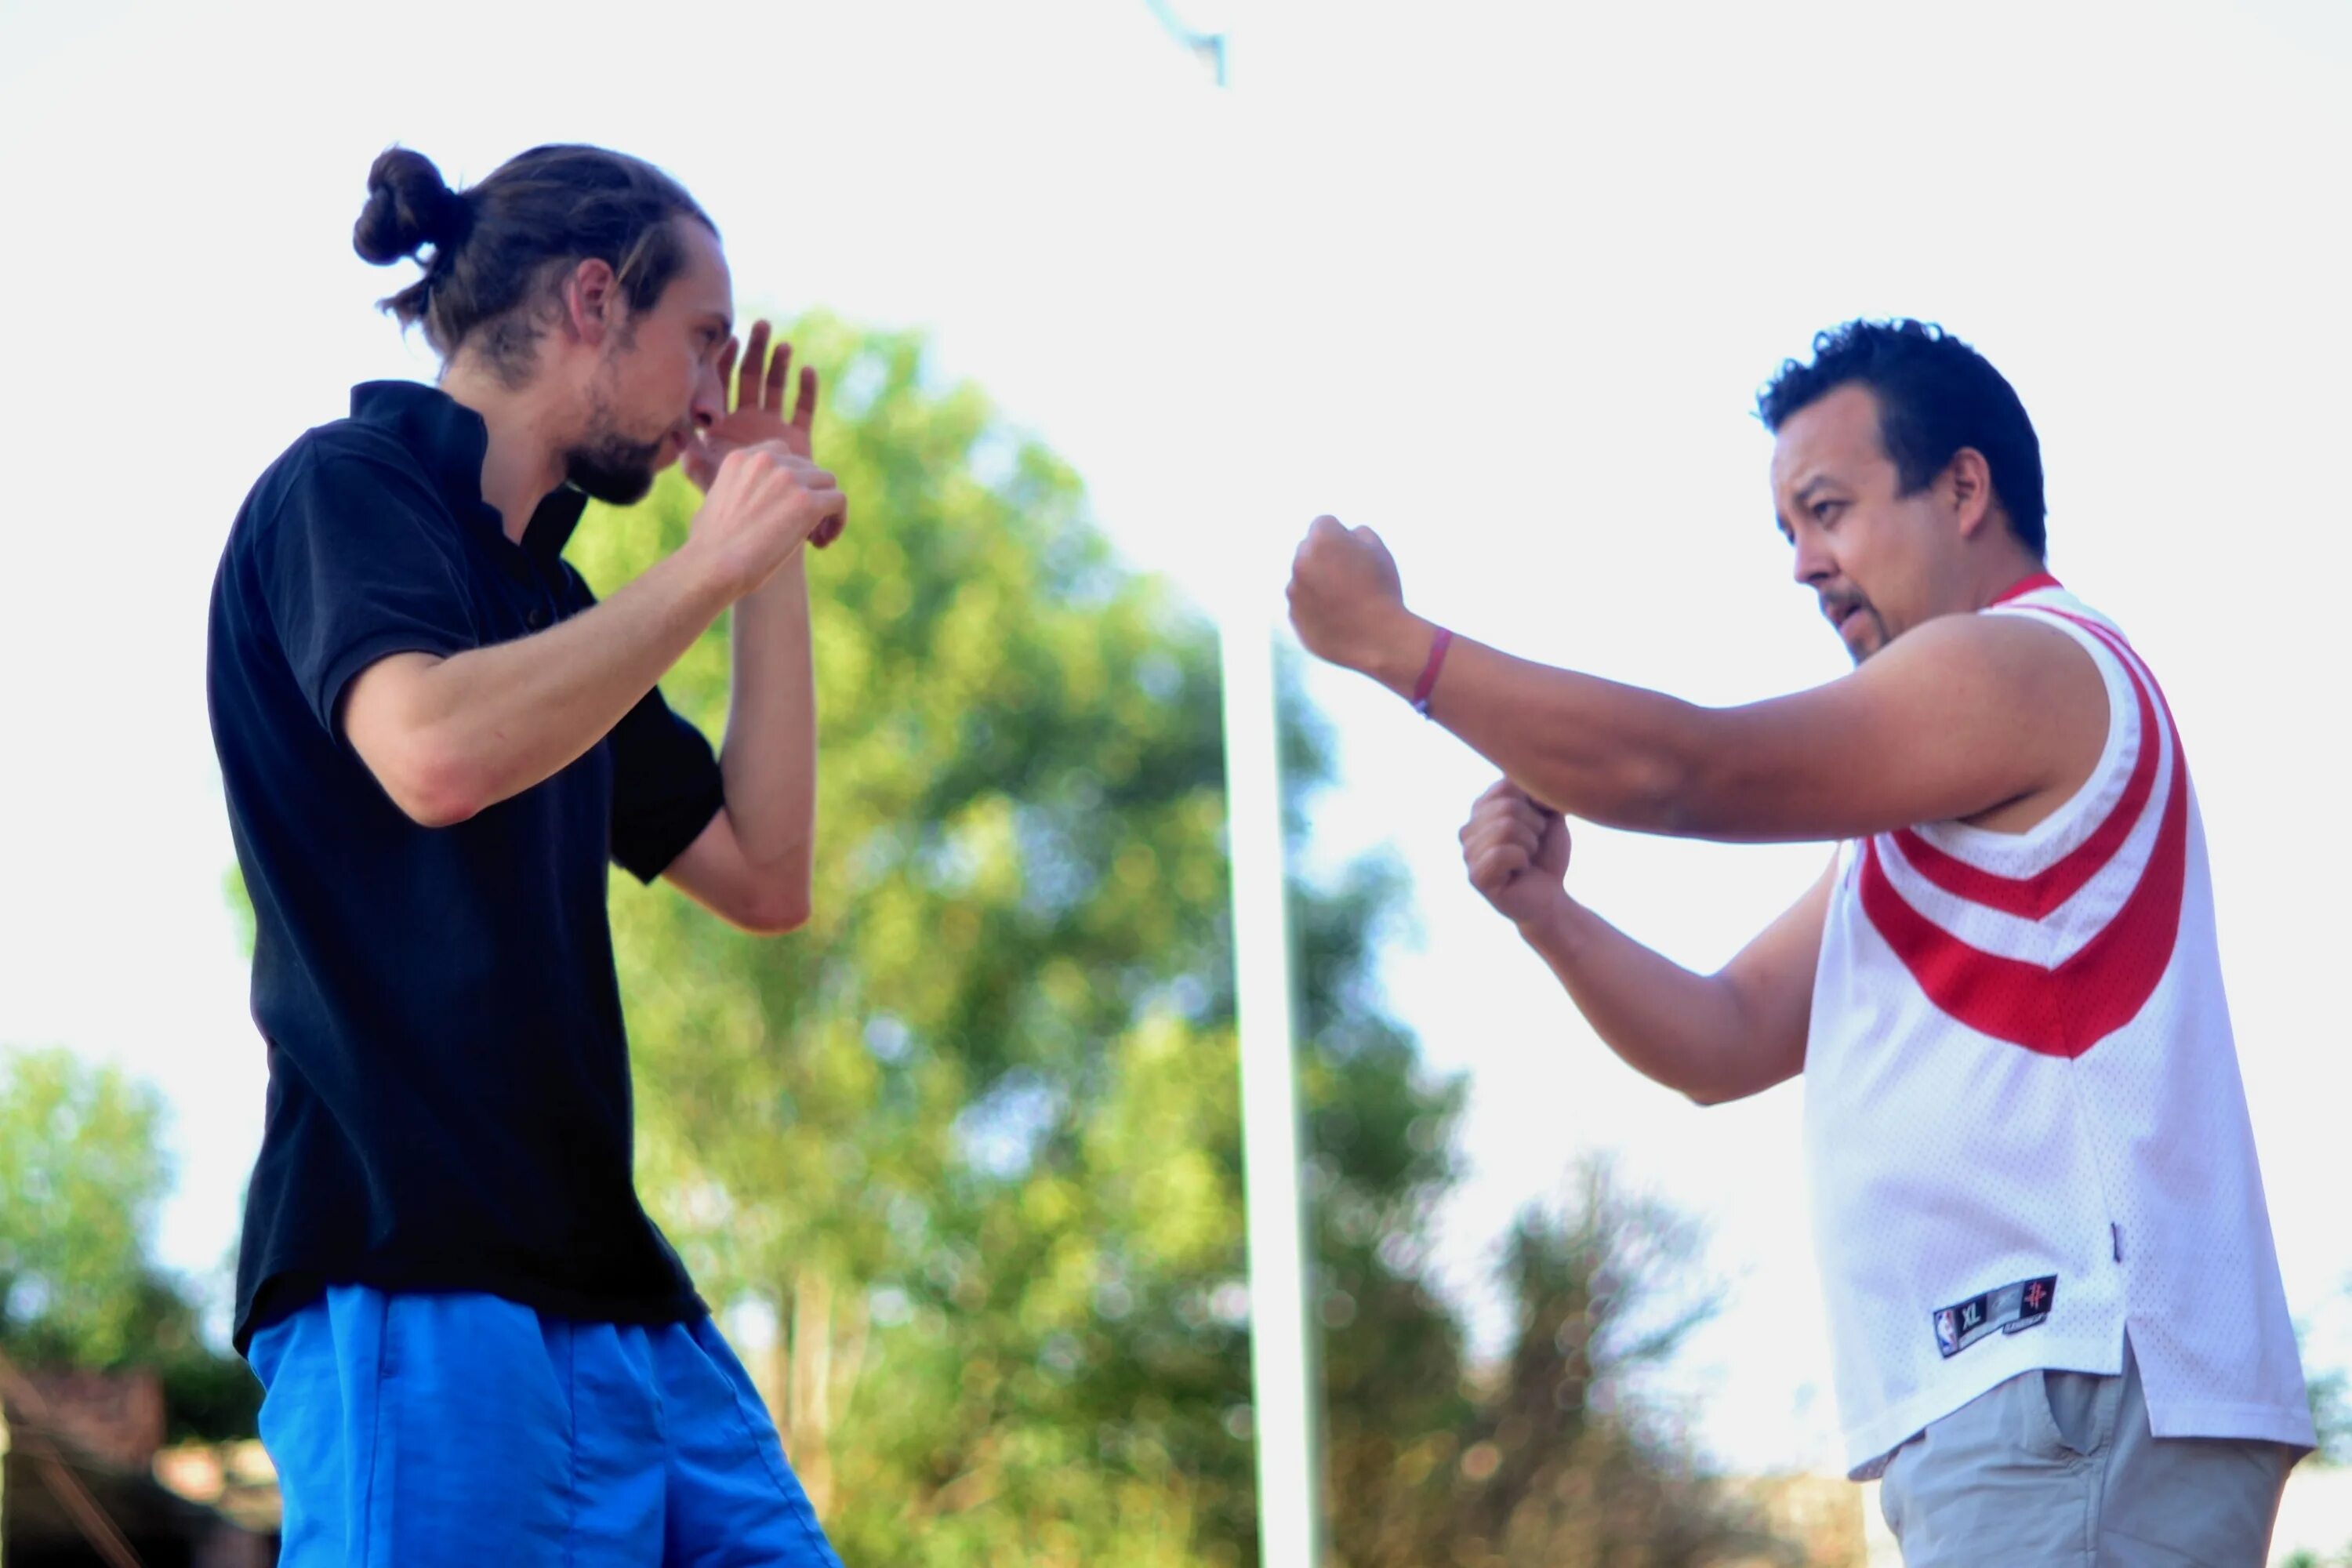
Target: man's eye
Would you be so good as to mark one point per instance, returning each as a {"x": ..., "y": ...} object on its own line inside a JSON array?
[{"x": 1822, "y": 509}]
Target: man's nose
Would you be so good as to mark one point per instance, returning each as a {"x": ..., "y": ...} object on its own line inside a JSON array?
[
  {"x": 709, "y": 398},
  {"x": 1812, "y": 565}
]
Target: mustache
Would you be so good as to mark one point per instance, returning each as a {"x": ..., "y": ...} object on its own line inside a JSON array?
[{"x": 1834, "y": 605}]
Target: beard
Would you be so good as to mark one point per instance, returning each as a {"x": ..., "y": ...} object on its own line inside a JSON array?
[
  {"x": 1864, "y": 632},
  {"x": 1868, "y": 635},
  {"x": 610, "y": 467}
]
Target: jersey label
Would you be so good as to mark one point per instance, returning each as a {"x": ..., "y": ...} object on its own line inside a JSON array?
[{"x": 2010, "y": 1309}]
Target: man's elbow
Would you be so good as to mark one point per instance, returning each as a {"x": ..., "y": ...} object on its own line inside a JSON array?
[
  {"x": 1657, "y": 781},
  {"x": 1659, "y": 791},
  {"x": 435, "y": 787},
  {"x": 775, "y": 912}
]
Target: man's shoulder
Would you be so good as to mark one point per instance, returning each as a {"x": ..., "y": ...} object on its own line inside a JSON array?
[{"x": 341, "y": 457}]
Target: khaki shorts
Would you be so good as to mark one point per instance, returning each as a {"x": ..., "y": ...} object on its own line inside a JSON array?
[{"x": 2058, "y": 1469}]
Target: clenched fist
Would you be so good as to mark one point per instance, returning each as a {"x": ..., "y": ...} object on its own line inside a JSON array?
[
  {"x": 765, "y": 502},
  {"x": 1346, "y": 599},
  {"x": 1516, "y": 853}
]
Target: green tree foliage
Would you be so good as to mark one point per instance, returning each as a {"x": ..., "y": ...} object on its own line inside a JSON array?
[
  {"x": 82, "y": 1173},
  {"x": 970, "y": 1139},
  {"x": 1568, "y": 1460}
]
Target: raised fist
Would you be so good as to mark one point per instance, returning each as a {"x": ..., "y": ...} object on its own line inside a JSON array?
[{"x": 1516, "y": 852}]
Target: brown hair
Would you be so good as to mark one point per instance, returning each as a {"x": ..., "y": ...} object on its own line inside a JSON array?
[{"x": 499, "y": 248}]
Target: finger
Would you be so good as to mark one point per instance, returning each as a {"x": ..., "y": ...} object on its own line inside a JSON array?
[
  {"x": 1507, "y": 802},
  {"x": 1483, "y": 835},
  {"x": 1492, "y": 871},
  {"x": 805, "y": 410},
  {"x": 1504, "y": 836},
  {"x": 835, "y": 516},
  {"x": 1531, "y": 817},
  {"x": 755, "y": 365},
  {"x": 773, "y": 399}
]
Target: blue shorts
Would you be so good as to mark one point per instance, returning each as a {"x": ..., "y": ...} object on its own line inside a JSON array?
[{"x": 414, "y": 1429}]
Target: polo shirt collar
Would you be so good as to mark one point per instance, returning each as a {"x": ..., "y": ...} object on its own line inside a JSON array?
[{"x": 451, "y": 440}]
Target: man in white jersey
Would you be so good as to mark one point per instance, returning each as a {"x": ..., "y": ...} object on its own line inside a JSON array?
[{"x": 2059, "y": 1330}]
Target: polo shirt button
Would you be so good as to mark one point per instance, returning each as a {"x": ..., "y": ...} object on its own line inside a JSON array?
[{"x": 536, "y": 619}]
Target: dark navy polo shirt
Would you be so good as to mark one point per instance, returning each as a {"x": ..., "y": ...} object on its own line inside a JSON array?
[{"x": 449, "y": 1102}]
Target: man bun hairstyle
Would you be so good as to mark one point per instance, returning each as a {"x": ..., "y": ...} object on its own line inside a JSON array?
[
  {"x": 1935, "y": 395},
  {"x": 495, "y": 254},
  {"x": 409, "y": 206}
]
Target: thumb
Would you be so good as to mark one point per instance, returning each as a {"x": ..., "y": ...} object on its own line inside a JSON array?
[{"x": 1552, "y": 849}]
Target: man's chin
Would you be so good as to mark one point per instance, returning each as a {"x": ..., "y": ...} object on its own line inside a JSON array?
[
  {"x": 614, "y": 489},
  {"x": 1862, "y": 636},
  {"x": 618, "y": 483}
]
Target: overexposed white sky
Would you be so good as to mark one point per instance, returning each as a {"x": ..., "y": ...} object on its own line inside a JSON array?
[{"x": 1497, "y": 280}]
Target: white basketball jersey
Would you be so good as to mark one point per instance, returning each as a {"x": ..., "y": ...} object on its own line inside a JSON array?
[{"x": 2023, "y": 1121}]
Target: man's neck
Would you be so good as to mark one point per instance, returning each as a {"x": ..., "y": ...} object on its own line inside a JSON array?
[
  {"x": 2001, "y": 573},
  {"x": 523, "y": 463}
]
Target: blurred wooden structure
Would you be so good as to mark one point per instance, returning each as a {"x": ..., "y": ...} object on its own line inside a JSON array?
[{"x": 84, "y": 1480}]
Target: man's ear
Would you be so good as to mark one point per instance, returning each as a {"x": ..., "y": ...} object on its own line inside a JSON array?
[
  {"x": 1968, "y": 487},
  {"x": 591, "y": 302}
]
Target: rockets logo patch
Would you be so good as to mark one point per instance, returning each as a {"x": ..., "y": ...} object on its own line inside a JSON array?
[{"x": 2010, "y": 1309}]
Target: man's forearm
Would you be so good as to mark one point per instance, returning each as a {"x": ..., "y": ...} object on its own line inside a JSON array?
[
  {"x": 1589, "y": 748},
  {"x": 1686, "y": 1031},
  {"x": 769, "y": 757},
  {"x": 482, "y": 726}
]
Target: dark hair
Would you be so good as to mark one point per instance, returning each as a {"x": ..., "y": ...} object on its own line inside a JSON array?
[
  {"x": 499, "y": 247},
  {"x": 1935, "y": 395}
]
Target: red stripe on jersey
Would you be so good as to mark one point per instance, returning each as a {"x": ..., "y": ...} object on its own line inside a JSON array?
[
  {"x": 2024, "y": 586},
  {"x": 2035, "y": 896},
  {"x": 2060, "y": 1011}
]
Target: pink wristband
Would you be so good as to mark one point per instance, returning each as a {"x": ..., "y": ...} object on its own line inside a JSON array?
[{"x": 1428, "y": 682}]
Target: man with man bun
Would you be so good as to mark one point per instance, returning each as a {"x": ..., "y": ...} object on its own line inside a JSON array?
[
  {"x": 2059, "y": 1330},
  {"x": 476, "y": 1346}
]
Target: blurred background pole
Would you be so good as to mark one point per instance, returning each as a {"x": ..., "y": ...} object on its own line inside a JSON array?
[
  {"x": 1282, "y": 1363},
  {"x": 1283, "y": 1366}
]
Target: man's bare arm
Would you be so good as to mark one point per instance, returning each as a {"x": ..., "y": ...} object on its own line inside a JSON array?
[
  {"x": 1714, "y": 1037},
  {"x": 447, "y": 737},
  {"x": 1953, "y": 720},
  {"x": 754, "y": 863}
]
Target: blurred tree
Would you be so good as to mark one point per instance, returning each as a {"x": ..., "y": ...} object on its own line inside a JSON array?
[
  {"x": 1567, "y": 1460},
  {"x": 970, "y": 1141},
  {"x": 82, "y": 1173},
  {"x": 970, "y": 1138},
  {"x": 2331, "y": 1413}
]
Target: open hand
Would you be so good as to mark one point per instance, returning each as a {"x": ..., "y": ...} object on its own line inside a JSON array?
[
  {"x": 1516, "y": 852},
  {"x": 759, "y": 418}
]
